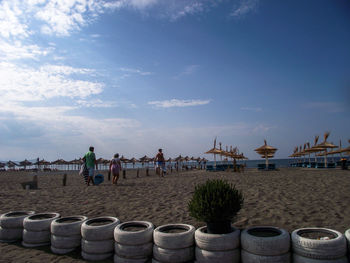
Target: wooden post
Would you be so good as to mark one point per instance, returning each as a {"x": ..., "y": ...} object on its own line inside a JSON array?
[
  {"x": 64, "y": 180},
  {"x": 147, "y": 172},
  {"x": 124, "y": 174},
  {"x": 109, "y": 175},
  {"x": 137, "y": 172}
]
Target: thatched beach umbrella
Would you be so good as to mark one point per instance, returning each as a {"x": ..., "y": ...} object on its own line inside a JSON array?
[
  {"x": 11, "y": 164},
  {"x": 326, "y": 145},
  {"x": 266, "y": 152},
  {"x": 346, "y": 150},
  {"x": 2, "y": 165},
  {"x": 133, "y": 160},
  {"x": 25, "y": 163},
  {"x": 214, "y": 151}
]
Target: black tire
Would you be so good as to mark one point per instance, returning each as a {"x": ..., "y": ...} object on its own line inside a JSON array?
[
  {"x": 14, "y": 219},
  {"x": 39, "y": 222},
  {"x": 140, "y": 237},
  {"x": 174, "y": 240},
  {"x": 217, "y": 242},
  {"x": 265, "y": 246},
  {"x": 319, "y": 249},
  {"x": 10, "y": 235},
  {"x": 99, "y": 232},
  {"x": 247, "y": 257},
  {"x": 97, "y": 247},
  {"x": 228, "y": 256},
  {"x": 65, "y": 227},
  {"x": 134, "y": 252}
]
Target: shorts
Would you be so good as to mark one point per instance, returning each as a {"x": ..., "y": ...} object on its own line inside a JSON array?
[
  {"x": 91, "y": 171},
  {"x": 161, "y": 165}
]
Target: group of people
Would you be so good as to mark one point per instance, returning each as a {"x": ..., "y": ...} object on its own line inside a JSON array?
[{"x": 115, "y": 166}]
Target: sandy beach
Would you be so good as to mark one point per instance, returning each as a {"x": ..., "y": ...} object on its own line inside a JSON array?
[{"x": 290, "y": 198}]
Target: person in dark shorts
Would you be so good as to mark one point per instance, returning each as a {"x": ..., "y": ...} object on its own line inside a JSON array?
[{"x": 160, "y": 161}]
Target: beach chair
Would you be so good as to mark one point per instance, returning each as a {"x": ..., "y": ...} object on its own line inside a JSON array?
[
  {"x": 210, "y": 168},
  {"x": 320, "y": 165},
  {"x": 330, "y": 165},
  {"x": 272, "y": 166},
  {"x": 261, "y": 166}
]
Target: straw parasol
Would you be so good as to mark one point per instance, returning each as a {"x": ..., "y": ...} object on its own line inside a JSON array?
[
  {"x": 326, "y": 145},
  {"x": 25, "y": 163},
  {"x": 2, "y": 165},
  {"x": 347, "y": 149},
  {"x": 11, "y": 164},
  {"x": 214, "y": 151},
  {"x": 266, "y": 152}
]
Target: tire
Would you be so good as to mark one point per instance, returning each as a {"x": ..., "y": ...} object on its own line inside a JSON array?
[
  {"x": 36, "y": 237},
  {"x": 62, "y": 226},
  {"x": 14, "y": 219},
  {"x": 134, "y": 252},
  {"x": 247, "y": 257},
  {"x": 300, "y": 259},
  {"x": 65, "y": 242},
  {"x": 118, "y": 259},
  {"x": 97, "y": 247},
  {"x": 10, "y": 234},
  {"x": 95, "y": 257},
  {"x": 319, "y": 249},
  {"x": 134, "y": 237},
  {"x": 266, "y": 246},
  {"x": 174, "y": 240},
  {"x": 61, "y": 251},
  {"x": 228, "y": 256},
  {"x": 101, "y": 232},
  {"x": 347, "y": 236},
  {"x": 217, "y": 242},
  {"x": 173, "y": 255},
  {"x": 37, "y": 223},
  {"x": 30, "y": 245}
]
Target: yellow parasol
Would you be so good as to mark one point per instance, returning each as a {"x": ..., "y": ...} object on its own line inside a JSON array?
[
  {"x": 266, "y": 152},
  {"x": 326, "y": 145},
  {"x": 214, "y": 151}
]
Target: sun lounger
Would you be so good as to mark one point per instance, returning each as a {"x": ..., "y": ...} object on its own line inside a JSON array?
[{"x": 320, "y": 165}]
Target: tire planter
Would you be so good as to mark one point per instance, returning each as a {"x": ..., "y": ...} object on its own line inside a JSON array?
[
  {"x": 217, "y": 247},
  {"x": 97, "y": 241},
  {"x": 347, "y": 236},
  {"x": 173, "y": 243},
  {"x": 135, "y": 245},
  {"x": 36, "y": 229},
  {"x": 66, "y": 234},
  {"x": 11, "y": 225},
  {"x": 312, "y": 248},
  {"x": 300, "y": 259},
  {"x": 265, "y": 244}
]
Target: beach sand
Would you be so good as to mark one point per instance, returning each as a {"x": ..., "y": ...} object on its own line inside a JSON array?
[{"x": 289, "y": 198}]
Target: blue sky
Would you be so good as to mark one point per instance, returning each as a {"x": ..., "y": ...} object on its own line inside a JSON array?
[{"x": 131, "y": 76}]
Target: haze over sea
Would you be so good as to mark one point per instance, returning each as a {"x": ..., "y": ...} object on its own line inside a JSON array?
[{"x": 132, "y": 76}]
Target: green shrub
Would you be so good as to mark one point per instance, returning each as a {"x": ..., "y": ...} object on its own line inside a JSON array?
[{"x": 215, "y": 201}]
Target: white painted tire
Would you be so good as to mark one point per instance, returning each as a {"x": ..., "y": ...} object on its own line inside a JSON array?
[
  {"x": 95, "y": 257},
  {"x": 134, "y": 252},
  {"x": 347, "y": 236},
  {"x": 65, "y": 227},
  {"x": 265, "y": 246},
  {"x": 61, "y": 251},
  {"x": 118, "y": 259},
  {"x": 39, "y": 222},
  {"x": 36, "y": 237},
  {"x": 14, "y": 219},
  {"x": 247, "y": 257},
  {"x": 228, "y": 256},
  {"x": 134, "y": 237},
  {"x": 319, "y": 249},
  {"x": 217, "y": 242},
  {"x": 173, "y": 255},
  {"x": 97, "y": 247},
  {"x": 10, "y": 234},
  {"x": 300, "y": 259},
  {"x": 100, "y": 232},
  {"x": 30, "y": 245},
  {"x": 174, "y": 240},
  {"x": 65, "y": 242}
]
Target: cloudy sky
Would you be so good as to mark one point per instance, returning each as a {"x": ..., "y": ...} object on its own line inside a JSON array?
[{"x": 131, "y": 76}]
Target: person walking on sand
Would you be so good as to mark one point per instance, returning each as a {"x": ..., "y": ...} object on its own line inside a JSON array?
[
  {"x": 90, "y": 160},
  {"x": 160, "y": 163},
  {"x": 115, "y": 166}
]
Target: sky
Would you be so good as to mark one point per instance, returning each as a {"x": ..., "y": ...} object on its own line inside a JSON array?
[{"x": 132, "y": 76}]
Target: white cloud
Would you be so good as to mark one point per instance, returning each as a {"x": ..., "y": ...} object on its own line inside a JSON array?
[
  {"x": 256, "y": 109},
  {"x": 245, "y": 7},
  {"x": 134, "y": 71},
  {"x": 17, "y": 50},
  {"x": 326, "y": 106},
  {"x": 49, "y": 81},
  {"x": 178, "y": 103},
  {"x": 96, "y": 103}
]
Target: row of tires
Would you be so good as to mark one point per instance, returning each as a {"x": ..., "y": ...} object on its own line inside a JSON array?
[{"x": 139, "y": 241}]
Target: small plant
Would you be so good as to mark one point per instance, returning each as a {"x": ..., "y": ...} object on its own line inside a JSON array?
[{"x": 216, "y": 202}]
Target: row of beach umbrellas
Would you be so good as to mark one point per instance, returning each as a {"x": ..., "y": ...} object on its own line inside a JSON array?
[{"x": 320, "y": 149}]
